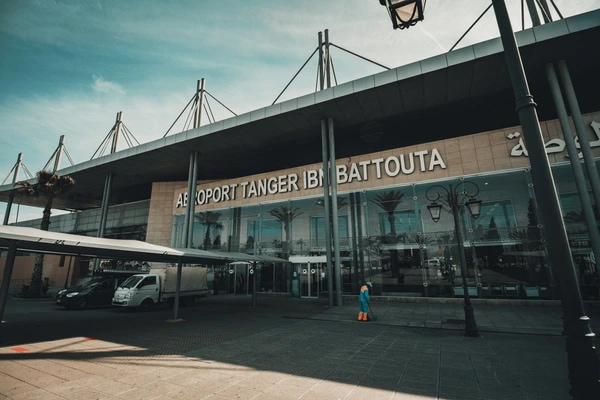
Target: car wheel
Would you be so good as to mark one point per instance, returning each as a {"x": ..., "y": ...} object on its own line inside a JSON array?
[
  {"x": 147, "y": 305},
  {"x": 82, "y": 303}
]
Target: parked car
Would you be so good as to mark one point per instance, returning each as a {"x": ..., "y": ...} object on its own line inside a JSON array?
[{"x": 96, "y": 292}]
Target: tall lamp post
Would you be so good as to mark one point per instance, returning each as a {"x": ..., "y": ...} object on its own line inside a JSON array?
[
  {"x": 582, "y": 359},
  {"x": 453, "y": 196}
]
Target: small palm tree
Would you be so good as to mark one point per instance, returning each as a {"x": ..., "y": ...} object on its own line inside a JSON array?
[
  {"x": 49, "y": 186},
  {"x": 286, "y": 215},
  {"x": 301, "y": 243},
  {"x": 388, "y": 202},
  {"x": 208, "y": 219}
]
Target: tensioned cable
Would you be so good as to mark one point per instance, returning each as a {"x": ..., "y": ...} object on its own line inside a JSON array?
[
  {"x": 128, "y": 131},
  {"x": 522, "y": 15},
  {"x": 333, "y": 70},
  {"x": 359, "y": 56},
  {"x": 68, "y": 155},
  {"x": 105, "y": 139},
  {"x": 207, "y": 104},
  {"x": 471, "y": 27},
  {"x": 188, "y": 120},
  {"x": 51, "y": 157},
  {"x": 103, "y": 148},
  {"x": 127, "y": 139},
  {"x": 547, "y": 17},
  {"x": 27, "y": 172},
  {"x": 556, "y": 9},
  {"x": 317, "y": 80},
  {"x": 179, "y": 116},
  {"x": 217, "y": 100},
  {"x": 131, "y": 138},
  {"x": 210, "y": 120},
  {"x": 289, "y": 83}
]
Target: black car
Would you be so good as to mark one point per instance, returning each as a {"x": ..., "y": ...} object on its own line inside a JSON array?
[{"x": 97, "y": 292}]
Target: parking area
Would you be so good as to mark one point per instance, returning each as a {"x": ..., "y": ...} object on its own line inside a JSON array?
[{"x": 284, "y": 348}]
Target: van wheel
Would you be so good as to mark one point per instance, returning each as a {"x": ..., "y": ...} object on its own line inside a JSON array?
[{"x": 147, "y": 305}]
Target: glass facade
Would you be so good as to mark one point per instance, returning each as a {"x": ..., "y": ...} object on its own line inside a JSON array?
[{"x": 388, "y": 237}]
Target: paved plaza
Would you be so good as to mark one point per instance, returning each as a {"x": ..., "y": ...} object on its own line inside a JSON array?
[{"x": 283, "y": 348}]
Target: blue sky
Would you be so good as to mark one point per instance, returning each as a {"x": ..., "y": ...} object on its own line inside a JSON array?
[{"x": 68, "y": 66}]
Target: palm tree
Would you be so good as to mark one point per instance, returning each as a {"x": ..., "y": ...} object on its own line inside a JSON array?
[
  {"x": 301, "y": 243},
  {"x": 342, "y": 201},
  {"x": 48, "y": 185},
  {"x": 286, "y": 215},
  {"x": 388, "y": 202},
  {"x": 208, "y": 219}
]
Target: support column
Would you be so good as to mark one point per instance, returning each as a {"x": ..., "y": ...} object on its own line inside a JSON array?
[
  {"x": 254, "y": 275},
  {"x": 327, "y": 207},
  {"x": 11, "y": 196},
  {"x": 535, "y": 18},
  {"x": 8, "y": 268},
  {"x": 105, "y": 204},
  {"x": 581, "y": 351},
  {"x": 188, "y": 234},
  {"x": 199, "y": 103},
  {"x": 177, "y": 290},
  {"x": 355, "y": 269},
  {"x": 334, "y": 212},
  {"x": 61, "y": 145},
  {"x": 321, "y": 69},
  {"x": 584, "y": 140},
  {"x": 580, "y": 182},
  {"x": 327, "y": 59},
  {"x": 116, "y": 133}
]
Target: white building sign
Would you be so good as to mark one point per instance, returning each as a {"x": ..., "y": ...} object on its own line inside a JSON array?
[{"x": 404, "y": 164}]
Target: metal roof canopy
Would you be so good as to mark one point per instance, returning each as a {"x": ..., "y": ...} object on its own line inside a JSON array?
[
  {"x": 454, "y": 94},
  {"x": 16, "y": 238},
  {"x": 37, "y": 240}
]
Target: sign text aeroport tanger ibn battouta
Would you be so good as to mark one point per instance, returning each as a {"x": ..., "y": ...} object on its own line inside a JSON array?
[{"x": 392, "y": 166}]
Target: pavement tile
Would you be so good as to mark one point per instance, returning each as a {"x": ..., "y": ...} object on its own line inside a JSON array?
[
  {"x": 65, "y": 387},
  {"x": 287, "y": 391},
  {"x": 362, "y": 393},
  {"x": 414, "y": 395},
  {"x": 159, "y": 386},
  {"x": 504, "y": 395},
  {"x": 241, "y": 351},
  {"x": 138, "y": 380},
  {"x": 114, "y": 388},
  {"x": 189, "y": 393},
  {"x": 87, "y": 394},
  {"x": 38, "y": 394},
  {"x": 238, "y": 392}
]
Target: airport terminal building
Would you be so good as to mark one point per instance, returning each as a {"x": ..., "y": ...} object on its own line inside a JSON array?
[{"x": 447, "y": 121}]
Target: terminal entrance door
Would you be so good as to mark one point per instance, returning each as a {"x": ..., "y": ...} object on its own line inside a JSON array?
[
  {"x": 310, "y": 279},
  {"x": 238, "y": 277},
  {"x": 309, "y": 276}
]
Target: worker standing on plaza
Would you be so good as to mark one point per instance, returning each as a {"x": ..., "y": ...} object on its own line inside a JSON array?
[{"x": 364, "y": 301}]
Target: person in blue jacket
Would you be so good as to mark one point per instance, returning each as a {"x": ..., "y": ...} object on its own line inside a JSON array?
[{"x": 364, "y": 301}]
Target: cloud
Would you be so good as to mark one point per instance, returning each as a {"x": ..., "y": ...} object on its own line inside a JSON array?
[{"x": 103, "y": 86}]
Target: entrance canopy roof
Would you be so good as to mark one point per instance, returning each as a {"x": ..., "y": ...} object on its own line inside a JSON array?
[
  {"x": 36, "y": 240},
  {"x": 454, "y": 94}
]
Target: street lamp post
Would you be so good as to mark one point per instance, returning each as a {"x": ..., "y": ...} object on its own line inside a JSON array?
[
  {"x": 583, "y": 363},
  {"x": 453, "y": 195}
]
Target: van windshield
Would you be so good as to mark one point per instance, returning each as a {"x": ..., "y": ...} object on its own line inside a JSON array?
[{"x": 131, "y": 281}]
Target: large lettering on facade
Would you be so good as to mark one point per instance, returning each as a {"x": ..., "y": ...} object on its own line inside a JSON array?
[
  {"x": 556, "y": 145},
  {"x": 404, "y": 164}
]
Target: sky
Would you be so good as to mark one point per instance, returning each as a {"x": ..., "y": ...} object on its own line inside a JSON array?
[{"x": 67, "y": 67}]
